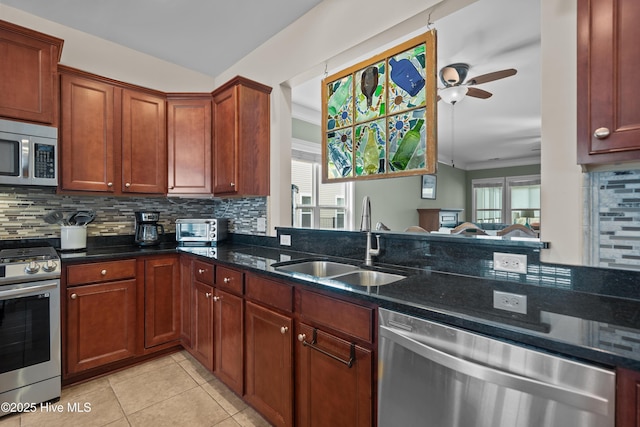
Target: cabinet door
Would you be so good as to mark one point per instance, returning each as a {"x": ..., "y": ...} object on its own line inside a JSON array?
[
  {"x": 608, "y": 60},
  {"x": 269, "y": 370},
  {"x": 185, "y": 300},
  {"x": 189, "y": 145},
  {"x": 324, "y": 383},
  {"x": 228, "y": 339},
  {"x": 627, "y": 398},
  {"x": 161, "y": 300},
  {"x": 87, "y": 135},
  {"x": 225, "y": 141},
  {"x": 27, "y": 74},
  {"x": 202, "y": 324},
  {"x": 144, "y": 143},
  {"x": 101, "y": 324}
]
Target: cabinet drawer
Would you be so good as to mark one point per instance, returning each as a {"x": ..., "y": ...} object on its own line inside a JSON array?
[
  {"x": 270, "y": 292},
  {"x": 81, "y": 274},
  {"x": 341, "y": 316},
  {"x": 229, "y": 279},
  {"x": 203, "y": 272}
]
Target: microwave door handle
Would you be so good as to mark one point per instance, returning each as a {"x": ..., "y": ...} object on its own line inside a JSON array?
[{"x": 25, "y": 158}]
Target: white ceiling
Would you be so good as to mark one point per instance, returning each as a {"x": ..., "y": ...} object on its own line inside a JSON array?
[
  {"x": 211, "y": 35},
  {"x": 504, "y": 130}
]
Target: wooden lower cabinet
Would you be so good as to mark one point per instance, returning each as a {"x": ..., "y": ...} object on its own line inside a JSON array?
[
  {"x": 627, "y": 398},
  {"x": 100, "y": 324},
  {"x": 329, "y": 392},
  {"x": 161, "y": 300},
  {"x": 185, "y": 301},
  {"x": 202, "y": 323},
  {"x": 269, "y": 358},
  {"x": 228, "y": 315}
]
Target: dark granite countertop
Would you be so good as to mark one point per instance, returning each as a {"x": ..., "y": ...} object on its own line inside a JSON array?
[{"x": 592, "y": 327}]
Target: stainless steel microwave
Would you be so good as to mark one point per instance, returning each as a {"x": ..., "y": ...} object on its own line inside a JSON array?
[
  {"x": 28, "y": 154},
  {"x": 201, "y": 231}
]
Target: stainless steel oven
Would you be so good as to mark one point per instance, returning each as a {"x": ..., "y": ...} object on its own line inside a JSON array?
[
  {"x": 30, "y": 364},
  {"x": 434, "y": 375}
]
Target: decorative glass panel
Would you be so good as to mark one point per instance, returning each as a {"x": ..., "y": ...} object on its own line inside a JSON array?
[
  {"x": 407, "y": 79},
  {"x": 370, "y": 92},
  {"x": 370, "y": 148},
  {"x": 339, "y": 153},
  {"x": 340, "y": 103},
  {"x": 407, "y": 141}
]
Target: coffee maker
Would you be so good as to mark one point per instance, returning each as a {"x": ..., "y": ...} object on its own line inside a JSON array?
[{"x": 148, "y": 231}]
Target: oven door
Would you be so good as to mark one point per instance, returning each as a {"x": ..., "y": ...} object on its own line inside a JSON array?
[{"x": 30, "y": 337}]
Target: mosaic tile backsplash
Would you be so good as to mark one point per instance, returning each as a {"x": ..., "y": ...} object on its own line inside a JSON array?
[
  {"x": 22, "y": 210},
  {"x": 615, "y": 219}
]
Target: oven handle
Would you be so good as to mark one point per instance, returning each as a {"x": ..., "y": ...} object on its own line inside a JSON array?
[
  {"x": 568, "y": 396},
  {"x": 5, "y": 294}
]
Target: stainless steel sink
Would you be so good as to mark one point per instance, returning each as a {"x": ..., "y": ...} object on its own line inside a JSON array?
[
  {"x": 368, "y": 278},
  {"x": 318, "y": 268}
]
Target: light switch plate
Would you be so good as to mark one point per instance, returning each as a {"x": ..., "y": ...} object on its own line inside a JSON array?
[
  {"x": 262, "y": 224},
  {"x": 285, "y": 239}
]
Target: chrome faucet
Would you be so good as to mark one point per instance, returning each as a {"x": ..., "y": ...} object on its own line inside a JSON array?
[{"x": 365, "y": 225}]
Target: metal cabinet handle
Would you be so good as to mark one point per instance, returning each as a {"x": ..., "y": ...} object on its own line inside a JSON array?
[
  {"x": 312, "y": 345},
  {"x": 200, "y": 271},
  {"x": 601, "y": 133},
  {"x": 127, "y": 184},
  {"x": 74, "y": 296},
  {"x": 283, "y": 330},
  {"x": 216, "y": 298},
  {"x": 103, "y": 272},
  {"x": 109, "y": 184},
  {"x": 227, "y": 279},
  {"x": 233, "y": 184},
  {"x": 208, "y": 294}
]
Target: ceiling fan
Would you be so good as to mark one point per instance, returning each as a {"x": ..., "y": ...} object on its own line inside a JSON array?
[{"x": 455, "y": 87}]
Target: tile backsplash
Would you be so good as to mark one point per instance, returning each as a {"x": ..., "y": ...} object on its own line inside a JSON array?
[
  {"x": 614, "y": 225},
  {"x": 22, "y": 210}
]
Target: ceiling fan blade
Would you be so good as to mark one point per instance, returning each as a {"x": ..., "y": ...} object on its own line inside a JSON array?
[
  {"x": 489, "y": 77},
  {"x": 479, "y": 93}
]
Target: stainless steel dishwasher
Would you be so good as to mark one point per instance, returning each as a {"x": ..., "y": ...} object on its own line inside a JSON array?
[{"x": 434, "y": 375}]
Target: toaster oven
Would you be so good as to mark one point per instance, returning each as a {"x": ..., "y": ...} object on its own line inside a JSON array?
[{"x": 201, "y": 231}]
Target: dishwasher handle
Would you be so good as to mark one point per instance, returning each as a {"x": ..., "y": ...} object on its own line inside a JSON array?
[{"x": 568, "y": 396}]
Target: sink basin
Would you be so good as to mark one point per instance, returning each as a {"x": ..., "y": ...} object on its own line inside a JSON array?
[
  {"x": 318, "y": 268},
  {"x": 368, "y": 278}
]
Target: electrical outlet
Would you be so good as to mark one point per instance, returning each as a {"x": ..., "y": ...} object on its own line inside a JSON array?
[
  {"x": 285, "y": 239},
  {"x": 262, "y": 224},
  {"x": 510, "y": 302},
  {"x": 514, "y": 263}
]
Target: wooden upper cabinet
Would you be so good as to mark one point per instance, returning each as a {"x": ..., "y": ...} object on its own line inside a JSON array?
[
  {"x": 113, "y": 138},
  {"x": 28, "y": 87},
  {"x": 608, "y": 60},
  {"x": 87, "y": 135},
  {"x": 144, "y": 143},
  {"x": 241, "y": 138},
  {"x": 189, "y": 143}
]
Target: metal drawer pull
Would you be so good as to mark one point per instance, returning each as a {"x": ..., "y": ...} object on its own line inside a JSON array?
[
  {"x": 312, "y": 344},
  {"x": 216, "y": 298},
  {"x": 103, "y": 272},
  {"x": 601, "y": 133},
  {"x": 200, "y": 271},
  {"x": 226, "y": 279},
  {"x": 208, "y": 294},
  {"x": 74, "y": 296},
  {"x": 283, "y": 330}
]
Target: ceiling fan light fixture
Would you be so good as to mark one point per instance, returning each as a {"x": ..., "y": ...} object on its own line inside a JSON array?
[{"x": 452, "y": 95}]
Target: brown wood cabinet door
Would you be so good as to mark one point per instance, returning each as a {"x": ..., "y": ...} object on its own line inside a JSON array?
[
  {"x": 101, "y": 324},
  {"x": 627, "y": 398},
  {"x": 228, "y": 339},
  {"x": 269, "y": 370},
  {"x": 161, "y": 300},
  {"x": 328, "y": 392},
  {"x": 225, "y": 141},
  {"x": 608, "y": 87},
  {"x": 202, "y": 324},
  {"x": 87, "y": 135},
  {"x": 189, "y": 145},
  {"x": 144, "y": 143},
  {"x": 27, "y": 74},
  {"x": 185, "y": 300}
]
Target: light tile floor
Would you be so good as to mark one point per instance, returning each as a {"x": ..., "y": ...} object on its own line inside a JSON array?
[{"x": 173, "y": 390}]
